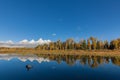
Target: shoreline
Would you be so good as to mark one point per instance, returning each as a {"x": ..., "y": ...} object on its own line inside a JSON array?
[{"x": 107, "y": 53}]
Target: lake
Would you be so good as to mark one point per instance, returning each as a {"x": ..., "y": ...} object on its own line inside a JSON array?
[{"x": 58, "y": 67}]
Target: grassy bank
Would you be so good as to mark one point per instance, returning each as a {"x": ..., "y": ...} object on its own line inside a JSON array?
[{"x": 65, "y": 52}]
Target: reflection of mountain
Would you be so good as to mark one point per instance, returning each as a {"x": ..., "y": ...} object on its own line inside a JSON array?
[
  {"x": 23, "y": 58},
  {"x": 92, "y": 61}
]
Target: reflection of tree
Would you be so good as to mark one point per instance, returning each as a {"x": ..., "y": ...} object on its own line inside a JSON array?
[
  {"x": 100, "y": 60},
  {"x": 58, "y": 59},
  {"x": 83, "y": 60},
  {"x": 92, "y": 61},
  {"x": 89, "y": 60},
  {"x": 107, "y": 60},
  {"x": 94, "y": 64},
  {"x": 115, "y": 61},
  {"x": 70, "y": 60}
]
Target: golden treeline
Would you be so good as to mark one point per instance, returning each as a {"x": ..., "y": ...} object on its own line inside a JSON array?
[{"x": 89, "y": 44}]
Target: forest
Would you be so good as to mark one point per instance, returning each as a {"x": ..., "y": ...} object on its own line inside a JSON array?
[{"x": 91, "y": 43}]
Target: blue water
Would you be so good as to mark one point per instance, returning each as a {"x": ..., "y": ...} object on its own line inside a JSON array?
[{"x": 53, "y": 69}]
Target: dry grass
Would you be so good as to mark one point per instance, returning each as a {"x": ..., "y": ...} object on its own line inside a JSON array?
[{"x": 64, "y": 52}]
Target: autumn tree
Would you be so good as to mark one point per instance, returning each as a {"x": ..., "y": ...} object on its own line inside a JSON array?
[
  {"x": 51, "y": 45},
  {"x": 70, "y": 43},
  {"x": 88, "y": 44},
  {"x": 106, "y": 45},
  {"x": 77, "y": 46},
  {"x": 59, "y": 44},
  {"x": 100, "y": 44},
  {"x": 118, "y": 43},
  {"x": 83, "y": 45},
  {"x": 114, "y": 44},
  {"x": 93, "y": 42}
]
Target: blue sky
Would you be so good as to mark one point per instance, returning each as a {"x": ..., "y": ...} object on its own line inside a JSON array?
[{"x": 59, "y": 19}]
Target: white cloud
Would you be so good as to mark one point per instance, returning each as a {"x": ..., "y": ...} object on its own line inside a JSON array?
[
  {"x": 53, "y": 34},
  {"x": 9, "y": 42},
  {"x": 32, "y": 42},
  {"x": 24, "y": 43},
  {"x": 40, "y": 41}
]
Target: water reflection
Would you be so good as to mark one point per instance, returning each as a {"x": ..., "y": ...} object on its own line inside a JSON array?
[
  {"x": 58, "y": 67},
  {"x": 23, "y": 58},
  {"x": 91, "y": 61}
]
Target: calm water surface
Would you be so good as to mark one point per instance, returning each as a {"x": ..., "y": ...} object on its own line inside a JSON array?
[{"x": 58, "y": 67}]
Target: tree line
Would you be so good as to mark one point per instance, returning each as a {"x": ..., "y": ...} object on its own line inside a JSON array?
[{"x": 91, "y": 43}]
